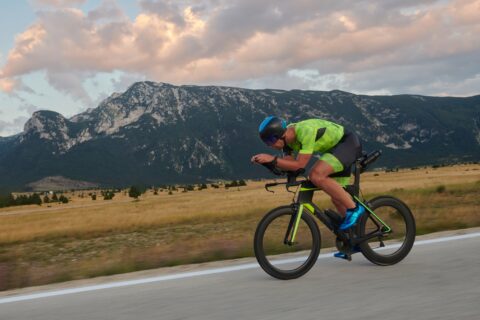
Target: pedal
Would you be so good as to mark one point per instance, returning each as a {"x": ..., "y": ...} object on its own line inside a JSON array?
[{"x": 343, "y": 255}]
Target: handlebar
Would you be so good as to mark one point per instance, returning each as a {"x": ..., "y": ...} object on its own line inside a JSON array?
[
  {"x": 291, "y": 176},
  {"x": 363, "y": 162}
]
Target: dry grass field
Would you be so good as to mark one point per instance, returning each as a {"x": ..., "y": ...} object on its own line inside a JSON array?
[{"x": 86, "y": 238}]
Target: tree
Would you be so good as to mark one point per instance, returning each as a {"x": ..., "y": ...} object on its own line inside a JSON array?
[
  {"x": 134, "y": 192},
  {"x": 63, "y": 199},
  {"x": 94, "y": 196},
  {"x": 231, "y": 184},
  {"x": 46, "y": 199},
  {"x": 108, "y": 195},
  {"x": 35, "y": 199},
  {"x": 188, "y": 187},
  {"x": 11, "y": 200},
  {"x": 54, "y": 198}
]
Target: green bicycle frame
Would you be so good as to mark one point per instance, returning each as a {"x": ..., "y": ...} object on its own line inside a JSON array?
[
  {"x": 304, "y": 199},
  {"x": 373, "y": 213}
]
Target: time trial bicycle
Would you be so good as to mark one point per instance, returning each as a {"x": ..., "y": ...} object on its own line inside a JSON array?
[{"x": 292, "y": 228}]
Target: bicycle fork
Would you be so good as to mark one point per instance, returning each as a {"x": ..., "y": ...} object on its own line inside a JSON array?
[
  {"x": 299, "y": 209},
  {"x": 293, "y": 224}
]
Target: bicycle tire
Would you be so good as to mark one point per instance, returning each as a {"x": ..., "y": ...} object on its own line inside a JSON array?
[
  {"x": 261, "y": 255},
  {"x": 379, "y": 257}
]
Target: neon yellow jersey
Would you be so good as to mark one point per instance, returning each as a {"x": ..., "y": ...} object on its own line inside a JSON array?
[{"x": 315, "y": 135}]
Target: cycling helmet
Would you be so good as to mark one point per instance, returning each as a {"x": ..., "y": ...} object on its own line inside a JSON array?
[{"x": 271, "y": 129}]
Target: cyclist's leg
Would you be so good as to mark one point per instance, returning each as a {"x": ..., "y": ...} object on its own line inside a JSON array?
[
  {"x": 339, "y": 206},
  {"x": 341, "y": 158},
  {"x": 319, "y": 175}
]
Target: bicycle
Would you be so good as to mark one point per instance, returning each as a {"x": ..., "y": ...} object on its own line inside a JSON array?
[{"x": 287, "y": 229}]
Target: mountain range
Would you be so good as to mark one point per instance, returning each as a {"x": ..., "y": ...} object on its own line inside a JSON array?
[{"x": 158, "y": 133}]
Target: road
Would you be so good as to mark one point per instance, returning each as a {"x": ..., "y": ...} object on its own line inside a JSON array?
[{"x": 440, "y": 279}]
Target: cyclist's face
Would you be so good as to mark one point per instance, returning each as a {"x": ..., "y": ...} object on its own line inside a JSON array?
[{"x": 279, "y": 144}]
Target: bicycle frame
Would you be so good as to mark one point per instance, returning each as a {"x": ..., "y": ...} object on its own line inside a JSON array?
[
  {"x": 304, "y": 201},
  {"x": 304, "y": 198}
]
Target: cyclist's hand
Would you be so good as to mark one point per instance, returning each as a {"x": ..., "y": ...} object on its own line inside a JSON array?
[{"x": 262, "y": 158}]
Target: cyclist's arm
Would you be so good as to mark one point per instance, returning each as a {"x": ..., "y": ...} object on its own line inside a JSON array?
[
  {"x": 304, "y": 155},
  {"x": 291, "y": 164}
]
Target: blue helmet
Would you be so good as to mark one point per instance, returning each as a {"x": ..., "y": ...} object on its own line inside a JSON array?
[{"x": 271, "y": 129}]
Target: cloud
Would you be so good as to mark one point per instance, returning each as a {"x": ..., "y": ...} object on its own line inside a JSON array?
[
  {"x": 57, "y": 3},
  {"x": 107, "y": 11},
  {"x": 7, "y": 85},
  {"x": 8, "y": 128},
  {"x": 70, "y": 83},
  {"x": 167, "y": 10},
  {"x": 30, "y": 108},
  {"x": 361, "y": 45},
  {"x": 126, "y": 80}
]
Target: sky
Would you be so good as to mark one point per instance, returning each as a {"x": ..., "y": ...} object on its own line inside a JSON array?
[{"x": 69, "y": 55}]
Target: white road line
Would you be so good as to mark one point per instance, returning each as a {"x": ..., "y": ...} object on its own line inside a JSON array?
[{"x": 184, "y": 275}]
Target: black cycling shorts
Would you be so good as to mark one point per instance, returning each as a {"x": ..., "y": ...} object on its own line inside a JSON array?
[{"x": 348, "y": 149}]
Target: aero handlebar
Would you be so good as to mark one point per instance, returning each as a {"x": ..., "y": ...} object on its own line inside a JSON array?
[{"x": 291, "y": 176}]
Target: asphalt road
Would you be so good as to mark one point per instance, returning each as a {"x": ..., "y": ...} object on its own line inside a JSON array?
[{"x": 438, "y": 280}]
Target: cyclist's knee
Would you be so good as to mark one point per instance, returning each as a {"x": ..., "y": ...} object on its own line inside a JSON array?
[{"x": 318, "y": 179}]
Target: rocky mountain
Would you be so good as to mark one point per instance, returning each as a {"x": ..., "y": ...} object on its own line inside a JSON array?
[
  {"x": 157, "y": 133},
  {"x": 59, "y": 183}
]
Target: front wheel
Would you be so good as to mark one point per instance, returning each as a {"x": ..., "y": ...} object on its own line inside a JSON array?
[
  {"x": 394, "y": 224},
  {"x": 283, "y": 260}
]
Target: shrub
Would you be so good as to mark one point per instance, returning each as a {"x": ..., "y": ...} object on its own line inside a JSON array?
[
  {"x": 231, "y": 184},
  {"x": 108, "y": 195},
  {"x": 10, "y": 200},
  {"x": 35, "y": 199},
  {"x": 134, "y": 192}
]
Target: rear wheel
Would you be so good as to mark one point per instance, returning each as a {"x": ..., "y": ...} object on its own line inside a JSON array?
[
  {"x": 396, "y": 233},
  {"x": 286, "y": 261}
]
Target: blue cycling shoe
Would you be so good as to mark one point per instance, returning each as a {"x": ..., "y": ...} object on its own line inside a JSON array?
[
  {"x": 352, "y": 217},
  {"x": 340, "y": 255},
  {"x": 343, "y": 255}
]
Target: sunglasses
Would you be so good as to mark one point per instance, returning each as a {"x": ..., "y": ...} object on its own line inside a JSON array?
[{"x": 270, "y": 140}]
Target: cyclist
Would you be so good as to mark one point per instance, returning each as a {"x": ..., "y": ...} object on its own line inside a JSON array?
[{"x": 338, "y": 147}]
